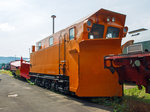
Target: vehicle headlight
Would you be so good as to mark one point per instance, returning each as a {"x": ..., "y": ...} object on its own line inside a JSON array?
[
  {"x": 108, "y": 19},
  {"x": 88, "y": 29},
  {"x": 89, "y": 23},
  {"x": 113, "y": 19},
  {"x": 125, "y": 29},
  {"x": 137, "y": 63}
]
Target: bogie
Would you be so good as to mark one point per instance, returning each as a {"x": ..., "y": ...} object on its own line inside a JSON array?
[{"x": 59, "y": 85}]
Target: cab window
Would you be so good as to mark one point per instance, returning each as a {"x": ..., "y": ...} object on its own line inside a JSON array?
[
  {"x": 39, "y": 46},
  {"x": 51, "y": 41},
  {"x": 112, "y": 32},
  {"x": 71, "y": 33},
  {"x": 97, "y": 31}
]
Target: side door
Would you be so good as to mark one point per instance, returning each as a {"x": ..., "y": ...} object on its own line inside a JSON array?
[{"x": 62, "y": 54}]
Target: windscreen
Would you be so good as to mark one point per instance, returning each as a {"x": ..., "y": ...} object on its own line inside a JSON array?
[
  {"x": 97, "y": 31},
  {"x": 112, "y": 32}
]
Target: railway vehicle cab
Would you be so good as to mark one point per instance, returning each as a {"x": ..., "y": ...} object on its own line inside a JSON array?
[
  {"x": 75, "y": 55},
  {"x": 104, "y": 24}
]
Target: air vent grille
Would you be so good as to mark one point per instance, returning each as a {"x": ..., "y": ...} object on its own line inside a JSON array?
[{"x": 134, "y": 48}]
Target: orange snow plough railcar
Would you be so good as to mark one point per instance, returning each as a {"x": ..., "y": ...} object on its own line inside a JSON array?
[{"x": 72, "y": 60}]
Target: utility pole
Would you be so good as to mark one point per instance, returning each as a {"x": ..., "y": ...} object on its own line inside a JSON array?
[{"x": 53, "y": 17}]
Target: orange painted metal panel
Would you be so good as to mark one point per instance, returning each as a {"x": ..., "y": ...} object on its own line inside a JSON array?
[
  {"x": 45, "y": 61},
  {"x": 72, "y": 70},
  {"x": 94, "y": 79}
]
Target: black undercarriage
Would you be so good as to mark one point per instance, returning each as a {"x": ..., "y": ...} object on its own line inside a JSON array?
[{"x": 58, "y": 83}]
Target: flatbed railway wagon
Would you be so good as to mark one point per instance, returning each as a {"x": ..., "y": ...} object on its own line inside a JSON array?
[
  {"x": 134, "y": 66},
  {"x": 72, "y": 60},
  {"x": 20, "y": 68}
]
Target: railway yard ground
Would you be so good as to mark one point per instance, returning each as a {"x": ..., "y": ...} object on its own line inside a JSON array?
[{"x": 19, "y": 96}]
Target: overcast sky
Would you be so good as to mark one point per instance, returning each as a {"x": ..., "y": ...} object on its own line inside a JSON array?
[{"x": 24, "y": 22}]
